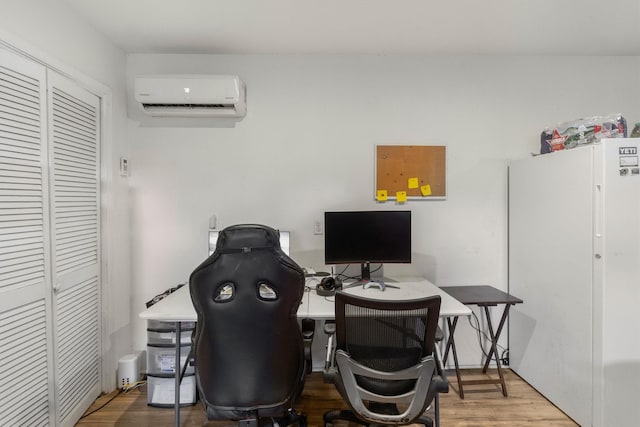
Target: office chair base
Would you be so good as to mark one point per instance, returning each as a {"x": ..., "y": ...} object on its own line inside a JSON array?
[
  {"x": 347, "y": 415},
  {"x": 291, "y": 419},
  {"x": 344, "y": 415}
]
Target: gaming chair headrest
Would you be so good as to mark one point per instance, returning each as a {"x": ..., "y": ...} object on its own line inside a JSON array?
[{"x": 238, "y": 237}]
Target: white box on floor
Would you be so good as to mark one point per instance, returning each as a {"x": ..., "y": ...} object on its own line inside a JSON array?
[
  {"x": 128, "y": 370},
  {"x": 161, "y": 391}
]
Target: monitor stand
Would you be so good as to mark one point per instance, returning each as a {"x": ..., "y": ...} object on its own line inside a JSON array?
[
  {"x": 366, "y": 278},
  {"x": 365, "y": 275},
  {"x": 366, "y": 282}
]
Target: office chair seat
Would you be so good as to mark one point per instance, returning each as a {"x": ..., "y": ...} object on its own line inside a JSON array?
[{"x": 386, "y": 359}]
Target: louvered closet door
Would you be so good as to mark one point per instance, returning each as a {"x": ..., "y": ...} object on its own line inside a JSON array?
[
  {"x": 75, "y": 222},
  {"x": 26, "y": 383}
]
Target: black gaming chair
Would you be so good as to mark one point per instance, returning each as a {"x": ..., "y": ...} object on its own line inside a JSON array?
[{"x": 249, "y": 351}]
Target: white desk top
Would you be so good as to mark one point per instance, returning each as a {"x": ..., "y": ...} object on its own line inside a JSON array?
[
  {"x": 177, "y": 307},
  {"x": 318, "y": 307}
]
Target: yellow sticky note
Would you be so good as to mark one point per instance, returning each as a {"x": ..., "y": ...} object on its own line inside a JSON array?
[
  {"x": 381, "y": 195},
  {"x": 413, "y": 183},
  {"x": 401, "y": 196},
  {"x": 425, "y": 190}
]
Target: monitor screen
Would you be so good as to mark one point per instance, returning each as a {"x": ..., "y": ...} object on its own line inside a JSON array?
[{"x": 367, "y": 236}]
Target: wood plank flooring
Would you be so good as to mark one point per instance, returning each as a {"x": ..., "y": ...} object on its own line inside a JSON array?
[{"x": 483, "y": 406}]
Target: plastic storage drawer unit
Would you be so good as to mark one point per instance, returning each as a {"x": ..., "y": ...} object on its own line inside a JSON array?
[
  {"x": 161, "y": 390},
  {"x": 161, "y": 359},
  {"x": 163, "y": 325},
  {"x": 161, "y": 363},
  {"x": 155, "y": 337}
]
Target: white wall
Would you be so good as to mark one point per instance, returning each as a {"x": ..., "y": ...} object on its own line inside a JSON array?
[
  {"x": 307, "y": 145},
  {"x": 54, "y": 34}
]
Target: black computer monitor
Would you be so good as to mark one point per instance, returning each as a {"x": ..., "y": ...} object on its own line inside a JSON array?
[{"x": 366, "y": 237}]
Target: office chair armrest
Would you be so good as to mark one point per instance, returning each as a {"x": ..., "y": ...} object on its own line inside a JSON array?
[
  {"x": 439, "y": 384},
  {"x": 308, "y": 331},
  {"x": 439, "y": 362},
  {"x": 442, "y": 373},
  {"x": 330, "y": 372},
  {"x": 330, "y": 327}
]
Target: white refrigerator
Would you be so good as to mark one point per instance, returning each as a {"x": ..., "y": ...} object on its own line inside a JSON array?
[{"x": 574, "y": 258}]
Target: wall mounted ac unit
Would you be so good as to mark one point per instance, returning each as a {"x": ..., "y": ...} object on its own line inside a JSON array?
[{"x": 191, "y": 95}]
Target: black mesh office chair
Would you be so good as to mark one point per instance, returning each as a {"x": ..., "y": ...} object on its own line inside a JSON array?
[
  {"x": 250, "y": 362},
  {"x": 384, "y": 365}
]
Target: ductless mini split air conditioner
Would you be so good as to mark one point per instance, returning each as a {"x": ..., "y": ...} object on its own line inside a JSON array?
[{"x": 191, "y": 96}]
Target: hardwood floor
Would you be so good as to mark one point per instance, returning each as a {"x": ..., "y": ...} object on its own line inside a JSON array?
[{"x": 483, "y": 406}]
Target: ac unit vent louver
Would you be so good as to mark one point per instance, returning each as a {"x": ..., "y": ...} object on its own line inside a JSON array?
[
  {"x": 187, "y": 106},
  {"x": 191, "y": 96}
]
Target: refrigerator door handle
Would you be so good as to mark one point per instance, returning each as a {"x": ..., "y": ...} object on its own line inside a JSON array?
[{"x": 598, "y": 211}]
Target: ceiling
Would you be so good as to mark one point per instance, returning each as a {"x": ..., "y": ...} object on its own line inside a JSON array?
[{"x": 381, "y": 27}]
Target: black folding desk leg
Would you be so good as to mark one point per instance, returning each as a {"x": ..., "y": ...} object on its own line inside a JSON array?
[
  {"x": 451, "y": 344},
  {"x": 493, "y": 352}
]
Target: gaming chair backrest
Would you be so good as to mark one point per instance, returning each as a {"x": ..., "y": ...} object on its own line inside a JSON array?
[{"x": 248, "y": 346}]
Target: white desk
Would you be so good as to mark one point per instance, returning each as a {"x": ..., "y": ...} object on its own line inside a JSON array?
[
  {"x": 322, "y": 308},
  {"x": 178, "y": 308}
]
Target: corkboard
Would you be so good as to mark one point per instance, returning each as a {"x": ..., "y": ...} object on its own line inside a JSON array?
[{"x": 399, "y": 167}]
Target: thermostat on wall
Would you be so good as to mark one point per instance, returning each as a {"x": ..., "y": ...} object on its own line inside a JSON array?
[{"x": 124, "y": 166}]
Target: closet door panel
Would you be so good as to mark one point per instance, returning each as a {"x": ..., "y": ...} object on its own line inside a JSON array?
[
  {"x": 24, "y": 396},
  {"x": 26, "y": 386},
  {"x": 75, "y": 221}
]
